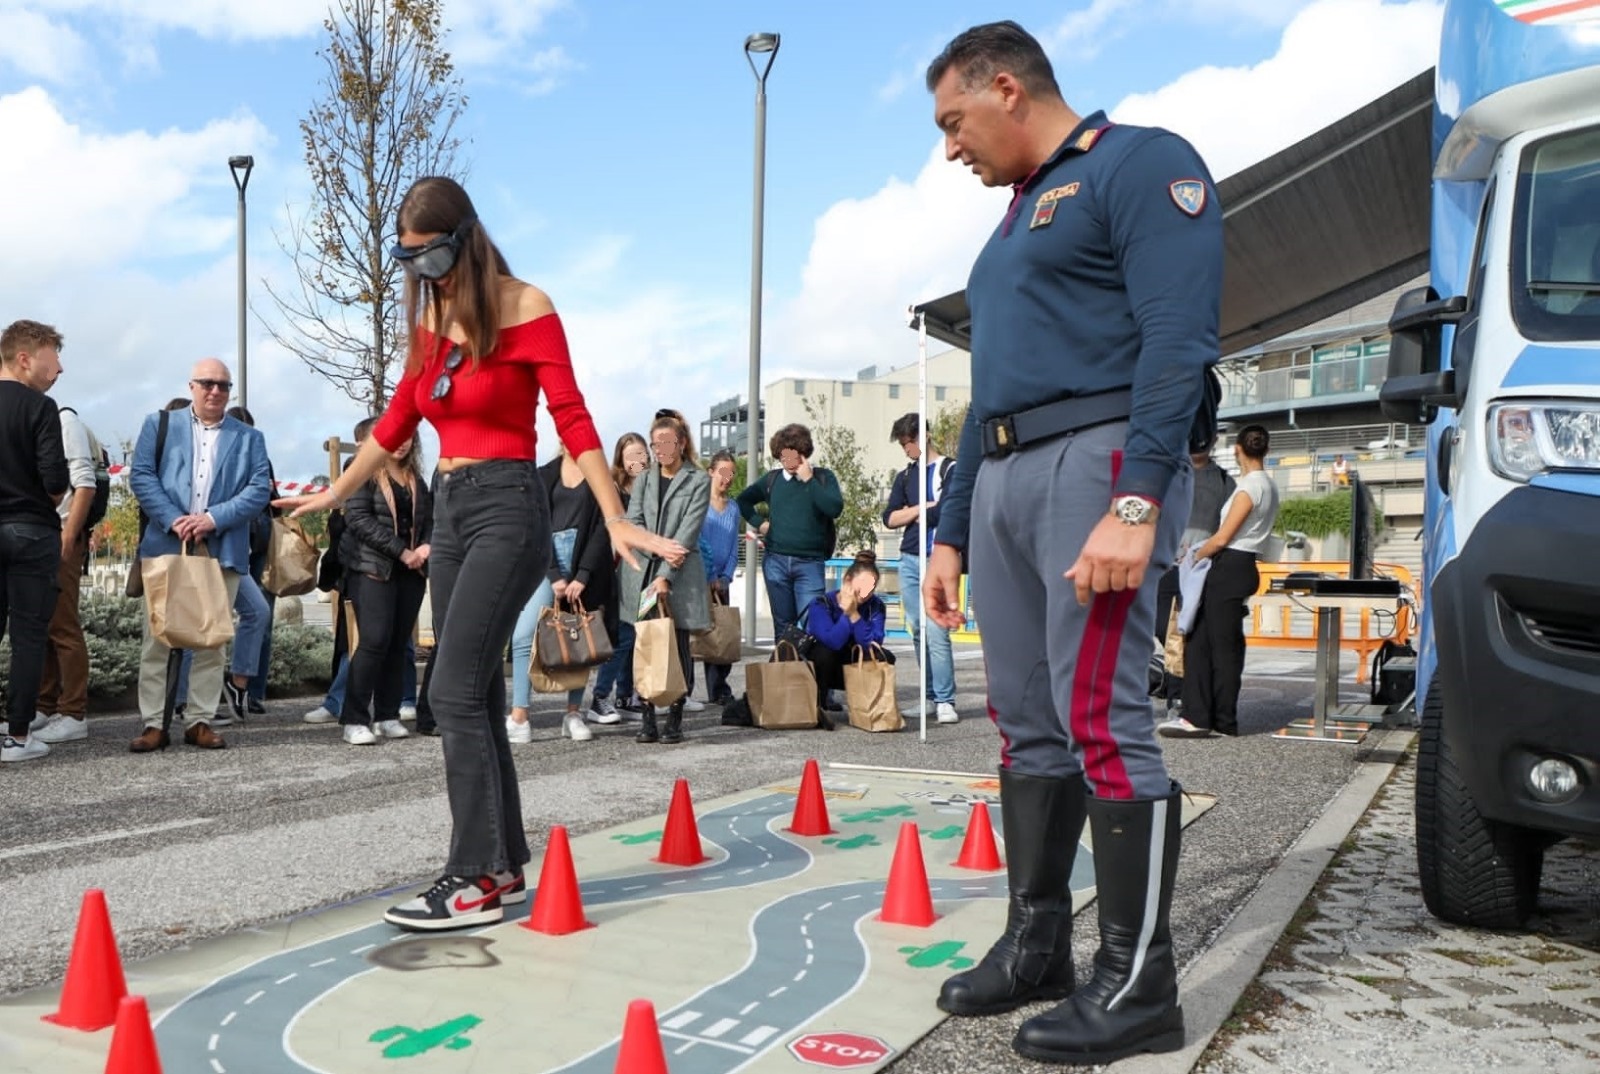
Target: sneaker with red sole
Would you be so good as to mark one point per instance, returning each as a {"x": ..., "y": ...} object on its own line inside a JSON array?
[{"x": 454, "y": 902}]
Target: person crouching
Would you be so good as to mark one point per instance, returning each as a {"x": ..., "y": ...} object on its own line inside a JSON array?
[{"x": 843, "y": 623}]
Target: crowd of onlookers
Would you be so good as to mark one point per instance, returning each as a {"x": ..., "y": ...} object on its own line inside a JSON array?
[{"x": 200, "y": 474}]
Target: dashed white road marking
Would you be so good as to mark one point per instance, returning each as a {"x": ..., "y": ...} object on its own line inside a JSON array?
[
  {"x": 218, "y": 1067},
  {"x": 287, "y": 979},
  {"x": 228, "y": 1019},
  {"x": 324, "y": 962},
  {"x": 255, "y": 997},
  {"x": 748, "y": 1007},
  {"x": 800, "y": 976},
  {"x": 363, "y": 947},
  {"x": 776, "y": 992},
  {"x": 211, "y": 1045}
]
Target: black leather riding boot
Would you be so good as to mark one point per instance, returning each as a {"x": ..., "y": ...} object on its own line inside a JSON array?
[
  {"x": 1130, "y": 1005},
  {"x": 672, "y": 732},
  {"x": 647, "y": 725},
  {"x": 1042, "y": 819}
]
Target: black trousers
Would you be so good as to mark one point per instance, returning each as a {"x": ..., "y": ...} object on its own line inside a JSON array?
[
  {"x": 386, "y": 613},
  {"x": 30, "y": 557},
  {"x": 1213, "y": 659},
  {"x": 830, "y": 663}
]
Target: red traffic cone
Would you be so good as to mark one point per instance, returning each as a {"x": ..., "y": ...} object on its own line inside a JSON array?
[
  {"x": 94, "y": 984},
  {"x": 811, "y": 808},
  {"x": 680, "y": 842},
  {"x": 557, "y": 906},
  {"x": 907, "y": 900},
  {"x": 977, "y": 849},
  {"x": 641, "y": 1051},
  {"x": 133, "y": 1042}
]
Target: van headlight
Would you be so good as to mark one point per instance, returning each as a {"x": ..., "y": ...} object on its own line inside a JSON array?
[{"x": 1529, "y": 439}]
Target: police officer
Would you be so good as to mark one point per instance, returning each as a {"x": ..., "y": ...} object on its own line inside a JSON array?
[{"x": 1094, "y": 318}]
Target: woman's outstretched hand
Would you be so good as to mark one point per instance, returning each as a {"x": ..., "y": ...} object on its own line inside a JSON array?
[
  {"x": 305, "y": 505},
  {"x": 627, "y": 538}
]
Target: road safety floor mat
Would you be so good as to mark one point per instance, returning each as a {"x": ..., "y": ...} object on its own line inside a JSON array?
[{"x": 767, "y": 957}]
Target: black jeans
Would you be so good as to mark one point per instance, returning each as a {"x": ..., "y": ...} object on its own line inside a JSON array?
[
  {"x": 717, "y": 681},
  {"x": 30, "y": 556},
  {"x": 1213, "y": 657},
  {"x": 830, "y": 663},
  {"x": 491, "y": 545},
  {"x": 386, "y": 612}
]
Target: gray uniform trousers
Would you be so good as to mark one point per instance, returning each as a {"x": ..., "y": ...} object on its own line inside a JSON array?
[{"x": 1067, "y": 682}]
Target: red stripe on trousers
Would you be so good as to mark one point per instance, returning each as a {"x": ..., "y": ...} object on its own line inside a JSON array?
[{"x": 1094, "y": 679}]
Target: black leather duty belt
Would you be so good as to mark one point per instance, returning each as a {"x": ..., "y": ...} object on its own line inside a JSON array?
[{"x": 1003, "y": 436}]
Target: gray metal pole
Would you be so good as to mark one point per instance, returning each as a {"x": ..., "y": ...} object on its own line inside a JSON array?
[
  {"x": 244, "y": 366},
  {"x": 756, "y": 43}
]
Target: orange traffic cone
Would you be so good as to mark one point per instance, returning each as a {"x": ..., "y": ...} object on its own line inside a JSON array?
[
  {"x": 641, "y": 1051},
  {"x": 811, "y": 808},
  {"x": 557, "y": 906},
  {"x": 680, "y": 842},
  {"x": 907, "y": 900},
  {"x": 133, "y": 1042},
  {"x": 94, "y": 983},
  {"x": 977, "y": 849}
]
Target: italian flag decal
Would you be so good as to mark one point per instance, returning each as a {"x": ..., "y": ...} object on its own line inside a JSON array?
[{"x": 1551, "y": 11}]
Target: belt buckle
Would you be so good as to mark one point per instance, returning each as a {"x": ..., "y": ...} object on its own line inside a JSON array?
[{"x": 1004, "y": 433}]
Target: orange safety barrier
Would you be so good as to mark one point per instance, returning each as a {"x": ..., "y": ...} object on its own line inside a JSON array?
[{"x": 1276, "y": 622}]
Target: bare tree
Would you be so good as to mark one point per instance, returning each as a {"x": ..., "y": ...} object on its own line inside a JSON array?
[{"x": 390, "y": 101}]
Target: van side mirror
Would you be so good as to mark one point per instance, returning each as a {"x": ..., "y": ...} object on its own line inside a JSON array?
[{"x": 1416, "y": 387}]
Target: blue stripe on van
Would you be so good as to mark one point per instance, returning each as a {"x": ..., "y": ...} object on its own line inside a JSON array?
[{"x": 1538, "y": 365}]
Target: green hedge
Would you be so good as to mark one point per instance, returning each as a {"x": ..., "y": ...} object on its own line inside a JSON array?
[
  {"x": 113, "y": 627},
  {"x": 1316, "y": 516}
]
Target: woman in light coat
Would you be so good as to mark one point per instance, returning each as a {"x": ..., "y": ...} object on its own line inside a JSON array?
[{"x": 670, "y": 498}]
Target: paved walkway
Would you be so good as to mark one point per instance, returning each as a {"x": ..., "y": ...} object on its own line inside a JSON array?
[{"x": 1365, "y": 980}]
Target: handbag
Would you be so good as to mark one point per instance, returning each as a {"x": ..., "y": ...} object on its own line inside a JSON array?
[
  {"x": 546, "y": 681},
  {"x": 783, "y": 691},
  {"x": 869, "y": 692},
  {"x": 186, "y": 600},
  {"x": 567, "y": 640},
  {"x": 724, "y": 642},
  {"x": 292, "y": 560}
]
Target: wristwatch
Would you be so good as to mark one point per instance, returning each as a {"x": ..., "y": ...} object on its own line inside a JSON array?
[{"x": 1134, "y": 510}]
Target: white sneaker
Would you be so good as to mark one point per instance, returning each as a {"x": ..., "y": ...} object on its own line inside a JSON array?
[
  {"x": 662, "y": 710},
  {"x": 32, "y": 749},
  {"x": 601, "y": 710},
  {"x": 39, "y": 720},
  {"x": 1178, "y": 727},
  {"x": 59, "y": 728},
  {"x": 392, "y": 729},
  {"x": 518, "y": 732},
  {"x": 945, "y": 712},
  {"x": 320, "y": 715},
  {"x": 574, "y": 728},
  {"x": 357, "y": 734},
  {"x": 691, "y": 705},
  {"x": 408, "y": 713}
]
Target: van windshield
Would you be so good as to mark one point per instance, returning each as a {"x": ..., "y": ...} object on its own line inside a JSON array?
[{"x": 1555, "y": 270}]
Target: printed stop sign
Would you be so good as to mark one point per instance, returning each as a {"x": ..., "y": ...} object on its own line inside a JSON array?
[{"x": 840, "y": 1050}]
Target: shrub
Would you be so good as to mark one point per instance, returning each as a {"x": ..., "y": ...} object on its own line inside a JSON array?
[
  {"x": 301, "y": 656},
  {"x": 1316, "y": 516}
]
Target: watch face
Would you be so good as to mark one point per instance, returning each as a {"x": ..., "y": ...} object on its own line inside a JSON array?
[{"x": 1133, "y": 510}]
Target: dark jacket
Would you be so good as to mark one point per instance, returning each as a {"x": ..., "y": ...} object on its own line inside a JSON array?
[
  {"x": 593, "y": 562},
  {"x": 826, "y": 622},
  {"x": 370, "y": 544}
]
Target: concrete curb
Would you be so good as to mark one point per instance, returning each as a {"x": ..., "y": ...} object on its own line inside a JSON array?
[{"x": 1213, "y": 983}]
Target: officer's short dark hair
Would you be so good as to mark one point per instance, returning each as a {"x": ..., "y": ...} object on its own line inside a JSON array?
[
  {"x": 797, "y": 437},
  {"x": 981, "y": 53},
  {"x": 906, "y": 427}
]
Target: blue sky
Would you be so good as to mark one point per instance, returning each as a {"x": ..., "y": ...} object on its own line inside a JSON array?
[{"x": 610, "y": 148}]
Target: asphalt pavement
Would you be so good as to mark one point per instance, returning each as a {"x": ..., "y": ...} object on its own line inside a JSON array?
[{"x": 288, "y": 820}]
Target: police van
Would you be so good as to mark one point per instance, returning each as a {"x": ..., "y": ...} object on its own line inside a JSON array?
[{"x": 1500, "y": 357}]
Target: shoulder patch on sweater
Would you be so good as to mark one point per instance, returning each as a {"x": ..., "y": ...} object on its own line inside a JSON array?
[{"x": 1189, "y": 195}]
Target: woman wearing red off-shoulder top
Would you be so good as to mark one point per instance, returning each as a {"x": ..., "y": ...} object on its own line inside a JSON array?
[{"x": 477, "y": 380}]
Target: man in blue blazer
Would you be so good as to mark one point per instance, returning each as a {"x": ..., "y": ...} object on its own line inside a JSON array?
[{"x": 210, "y": 480}]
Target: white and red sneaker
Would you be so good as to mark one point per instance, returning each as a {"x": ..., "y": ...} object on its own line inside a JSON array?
[
  {"x": 513, "y": 887},
  {"x": 454, "y": 902}
]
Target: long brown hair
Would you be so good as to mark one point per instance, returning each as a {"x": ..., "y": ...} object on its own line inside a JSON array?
[
  {"x": 619, "y": 472},
  {"x": 438, "y": 205}
]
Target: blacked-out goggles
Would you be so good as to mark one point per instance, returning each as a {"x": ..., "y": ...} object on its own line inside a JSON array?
[{"x": 433, "y": 260}]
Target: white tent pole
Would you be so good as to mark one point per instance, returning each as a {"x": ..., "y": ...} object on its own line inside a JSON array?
[{"x": 922, "y": 518}]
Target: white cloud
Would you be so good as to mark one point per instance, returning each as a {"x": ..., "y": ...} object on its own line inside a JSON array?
[
  {"x": 232, "y": 19},
  {"x": 911, "y": 242},
  {"x": 39, "y": 48},
  {"x": 1085, "y": 30},
  {"x": 1335, "y": 56}
]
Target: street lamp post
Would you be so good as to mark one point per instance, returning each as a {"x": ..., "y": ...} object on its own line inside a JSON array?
[
  {"x": 767, "y": 45},
  {"x": 240, "y": 167}
]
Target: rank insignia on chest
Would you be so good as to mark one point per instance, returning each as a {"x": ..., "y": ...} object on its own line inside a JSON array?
[
  {"x": 1189, "y": 195},
  {"x": 1043, "y": 213}
]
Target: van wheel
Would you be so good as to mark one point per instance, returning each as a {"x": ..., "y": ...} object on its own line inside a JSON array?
[{"x": 1473, "y": 871}]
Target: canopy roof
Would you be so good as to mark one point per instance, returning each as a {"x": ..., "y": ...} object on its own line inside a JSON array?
[{"x": 1317, "y": 228}]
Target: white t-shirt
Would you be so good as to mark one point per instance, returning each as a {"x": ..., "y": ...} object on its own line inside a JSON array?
[
  {"x": 80, "y": 461},
  {"x": 1263, "y": 511}
]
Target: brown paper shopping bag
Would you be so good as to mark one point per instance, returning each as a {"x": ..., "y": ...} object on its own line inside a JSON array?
[
  {"x": 292, "y": 558},
  {"x": 724, "y": 642},
  {"x": 783, "y": 691},
  {"x": 657, "y": 671},
  {"x": 187, "y": 600},
  {"x": 545, "y": 681},
  {"x": 1172, "y": 652},
  {"x": 869, "y": 692}
]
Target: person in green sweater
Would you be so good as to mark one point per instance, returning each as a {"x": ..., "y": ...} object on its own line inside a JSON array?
[{"x": 798, "y": 532}]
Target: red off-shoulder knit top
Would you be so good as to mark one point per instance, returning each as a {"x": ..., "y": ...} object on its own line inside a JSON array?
[{"x": 489, "y": 411}]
